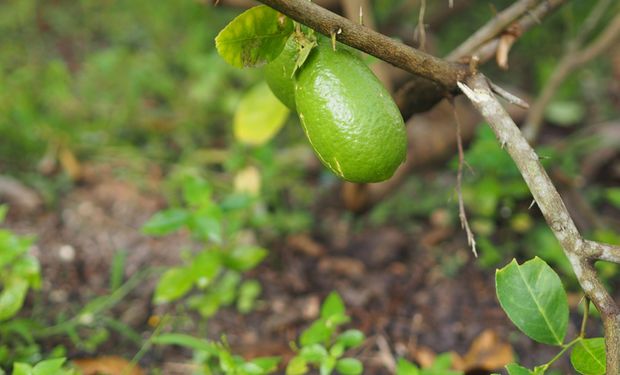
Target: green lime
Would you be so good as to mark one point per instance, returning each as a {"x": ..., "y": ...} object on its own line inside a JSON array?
[
  {"x": 348, "y": 116},
  {"x": 279, "y": 74}
]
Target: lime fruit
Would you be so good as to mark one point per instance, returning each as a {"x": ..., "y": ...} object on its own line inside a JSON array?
[
  {"x": 348, "y": 116},
  {"x": 279, "y": 74}
]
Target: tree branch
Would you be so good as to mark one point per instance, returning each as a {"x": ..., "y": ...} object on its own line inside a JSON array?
[
  {"x": 432, "y": 68},
  {"x": 578, "y": 251}
]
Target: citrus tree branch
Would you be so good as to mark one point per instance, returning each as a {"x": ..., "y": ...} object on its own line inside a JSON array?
[
  {"x": 432, "y": 68},
  {"x": 579, "y": 251}
]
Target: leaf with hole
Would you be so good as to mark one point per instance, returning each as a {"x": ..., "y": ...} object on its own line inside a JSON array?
[{"x": 255, "y": 37}]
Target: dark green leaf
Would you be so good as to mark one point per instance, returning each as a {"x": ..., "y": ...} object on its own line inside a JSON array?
[
  {"x": 254, "y": 38},
  {"x": 165, "y": 222},
  {"x": 534, "y": 299},
  {"x": 349, "y": 366},
  {"x": 588, "y": 356}
]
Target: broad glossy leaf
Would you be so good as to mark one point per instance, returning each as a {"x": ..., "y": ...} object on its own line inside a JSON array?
[
  {"x": 534, "y": 299},
  {"x": 259, "y": 116},
  {"x": 314, "y": 353},
  {"x": 254, "y": 38},
  {"x": 588, "y": 356},
  {"x": 174, "y": 284},
  {"x": 317, "y": 333}
]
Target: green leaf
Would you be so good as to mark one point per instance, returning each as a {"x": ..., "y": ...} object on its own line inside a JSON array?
[
  {"x": 267, "y": 364},
  {"x": 404, "y": 367},
  {"x": 12, "y": 297},
  {"x": 588, "y": 356},
  {"x": 351, "y": 338},
  {"x": 205, "y": 224},
  {"x": 259, "y": 116},
  {"x": 534, "y": 299},
  {"x": 297, "y": 366},
  {"x": 205, "y": 267},
  {"x": 174, "y": 284},
  {"x": 49, "y": 367},
  {"x": 22, "y": 369},
  {"x": 612, "y": 194},
  {"x": 349, "y": 366},
  {"x": 515, "y": 369},
  {"x": 327, "y": 366},
  {"x": 254, "y": 38},
  {"x": 317, "y": 333},
  {"x": 333, "y": 305},
  {"x": 165, "y": 222},
  {"x": 314, "y": 353},
  {"x": 196, "y": 191},
  {"x": 248, "y": 292},
  {"x": 243, "y": 258},
  {"x": 187, "y": 341}
]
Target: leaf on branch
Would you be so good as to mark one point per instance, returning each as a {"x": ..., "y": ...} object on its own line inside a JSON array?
[
  {"x": 254, "y": 38},
  {"x": 534, "y": 299},
  {"x": 588, "y": 356}
]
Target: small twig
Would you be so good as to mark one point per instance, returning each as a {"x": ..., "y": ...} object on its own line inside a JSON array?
[
  {"x": 471, "y": 240},
  {"x": 510, "y": 98},
  {"x": 586, "y": 314},
  {"x": 532, "y": 18},
  {"x": 421, "y": 29},
  {"x": 492, "y": 28}
]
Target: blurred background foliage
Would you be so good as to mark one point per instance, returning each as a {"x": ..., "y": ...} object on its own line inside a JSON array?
[{"x": 138, "y": 85}]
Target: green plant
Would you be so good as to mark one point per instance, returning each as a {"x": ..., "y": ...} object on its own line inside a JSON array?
[
  {"x": 215, "y": 270},
  {"x": 534, "y": 299},
  {"x": 47, "y": 367},
  {"x": 322, "y": 347}
]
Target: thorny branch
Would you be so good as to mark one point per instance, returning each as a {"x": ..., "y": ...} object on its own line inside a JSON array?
[{"x": 580, "y": 252}]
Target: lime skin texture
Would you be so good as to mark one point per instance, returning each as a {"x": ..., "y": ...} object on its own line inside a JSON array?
[
  {"x": 279, "y": 74},
  {"x": 350, "y": 119}
]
